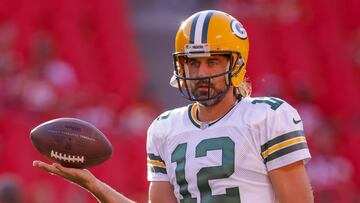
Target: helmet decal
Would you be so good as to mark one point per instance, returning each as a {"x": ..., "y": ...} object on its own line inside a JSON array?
[
  {"x": 206, "y": 27},
  {"x": 238, "y": 29},
  {"x": 199, "y": 28},
  {"x": 193, "y": 27}
]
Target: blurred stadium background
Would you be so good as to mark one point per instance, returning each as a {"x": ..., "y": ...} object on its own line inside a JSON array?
[{"x": 109, "y": 62}]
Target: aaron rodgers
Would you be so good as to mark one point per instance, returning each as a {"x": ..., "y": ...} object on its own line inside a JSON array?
[{"x": 226, "y": 146}]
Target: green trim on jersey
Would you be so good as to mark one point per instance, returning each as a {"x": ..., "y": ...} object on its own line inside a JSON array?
[
  {"x": 193, "y": 112},
  {"x": 193, "y": 115},
  {"x": 281, "y": 138},
  {"x": 156, "y": 169},
  {"x": 153, "y": 157},
  {"x": 283, "y": 144},
  {"x": 156, "y": 164},
  {"x": 285, "y": 151}
]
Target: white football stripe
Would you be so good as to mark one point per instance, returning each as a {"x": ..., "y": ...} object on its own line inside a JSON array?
[{"x": 199, "y": 28}]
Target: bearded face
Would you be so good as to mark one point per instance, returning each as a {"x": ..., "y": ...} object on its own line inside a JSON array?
[
  {"x": 208, "y": 82},
  {"x": 202, "y": 90}
]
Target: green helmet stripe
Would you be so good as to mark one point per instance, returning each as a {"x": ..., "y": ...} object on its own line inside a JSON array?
[{"x": 206, "y": 27}]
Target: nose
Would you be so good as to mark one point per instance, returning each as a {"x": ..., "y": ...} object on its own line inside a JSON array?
[{"x": 203, "y": 70}]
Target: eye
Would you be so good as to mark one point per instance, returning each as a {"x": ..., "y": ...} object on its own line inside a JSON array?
[
  {"x": 193, "y": 63},
  {"x": 213, "y": 62}
]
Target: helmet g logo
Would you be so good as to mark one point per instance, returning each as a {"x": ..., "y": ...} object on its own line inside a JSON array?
[{"x": 238, "y": 29}]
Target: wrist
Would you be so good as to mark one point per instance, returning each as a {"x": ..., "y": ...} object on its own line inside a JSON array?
[
  {"x": 104, "y": 193},
  {"x": 93, "y": 185},
  {"x": 96, "y": 188}
]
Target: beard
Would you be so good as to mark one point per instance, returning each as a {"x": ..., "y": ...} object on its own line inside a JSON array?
[{"x": 202, "y": 93}]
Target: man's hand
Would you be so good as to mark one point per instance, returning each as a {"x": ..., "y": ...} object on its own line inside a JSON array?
[
  {"x": 84, "y": 178},
  {"x": 81, "y": 177}
]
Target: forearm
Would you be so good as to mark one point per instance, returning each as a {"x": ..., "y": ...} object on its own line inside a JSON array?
[
  {"x": 291, "y": 184},
  {"x": 295, "y": 196},
  {"x": 105, "y": 194}
]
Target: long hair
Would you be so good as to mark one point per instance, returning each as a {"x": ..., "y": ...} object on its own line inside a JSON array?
[{"x": 244, "y": 90}]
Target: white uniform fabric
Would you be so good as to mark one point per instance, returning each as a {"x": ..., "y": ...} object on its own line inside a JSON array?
[{"x": 237, "y": 151}]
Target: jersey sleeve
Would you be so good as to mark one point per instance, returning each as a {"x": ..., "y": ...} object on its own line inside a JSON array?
[
  {"x": 285, "y": 142},
  {"x": 156, "y": 166}
]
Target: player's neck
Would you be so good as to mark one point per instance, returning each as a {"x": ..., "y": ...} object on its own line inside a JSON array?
[{"x": 211, "y": 113}]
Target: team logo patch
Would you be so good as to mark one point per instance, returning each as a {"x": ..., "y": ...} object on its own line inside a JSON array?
[{"x": 238, "y": 29}]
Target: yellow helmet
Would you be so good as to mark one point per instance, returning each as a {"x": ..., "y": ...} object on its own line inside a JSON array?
[{"x": 207, "y": 33}]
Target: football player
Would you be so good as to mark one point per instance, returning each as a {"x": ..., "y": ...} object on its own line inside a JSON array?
[{"x": 226, "y": 146}]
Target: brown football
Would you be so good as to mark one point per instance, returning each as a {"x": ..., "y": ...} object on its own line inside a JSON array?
[{"x": 71, "y": 142}]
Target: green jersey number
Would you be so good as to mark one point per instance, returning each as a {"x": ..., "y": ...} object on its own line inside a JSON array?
[
  {"x": 226, "y": 145},
  {"x": 273, "y": 102}
]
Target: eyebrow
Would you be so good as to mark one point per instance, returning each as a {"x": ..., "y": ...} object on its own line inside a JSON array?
[{"x": 209, "y": 58}]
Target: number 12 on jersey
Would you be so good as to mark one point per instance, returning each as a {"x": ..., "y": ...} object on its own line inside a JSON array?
[{"x": 225, "y": 170}]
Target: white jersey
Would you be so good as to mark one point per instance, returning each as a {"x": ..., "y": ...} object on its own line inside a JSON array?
[{"x": 227, "y": 160}]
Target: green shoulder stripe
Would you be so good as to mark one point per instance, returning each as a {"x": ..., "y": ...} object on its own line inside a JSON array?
[
  {"x": 153, "y": 157},
  {"x": 282, "y": 152},
  {"x": 156, "y": 169},
  {"x": 281, "y": 138}
]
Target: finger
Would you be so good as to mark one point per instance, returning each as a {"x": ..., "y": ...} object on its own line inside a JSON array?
[
  {"x": 36, "y": 163},
  {"x": 64, "y": 169},
  {"x": 58, "y": 166},
  {"x": 39, "y": 164},
  {"x": 49, "y": 168}
]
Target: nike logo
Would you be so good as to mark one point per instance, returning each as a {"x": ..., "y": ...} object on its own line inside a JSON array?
[{"x": 296, "y": 121}]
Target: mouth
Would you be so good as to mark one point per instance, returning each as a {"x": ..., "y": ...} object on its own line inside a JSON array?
[
  {"x": 203, "y": 90},
  {"x": 202, "y": 87}
]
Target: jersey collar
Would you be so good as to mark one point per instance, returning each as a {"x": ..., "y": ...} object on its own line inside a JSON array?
[{"x": 193, "y": 112}]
